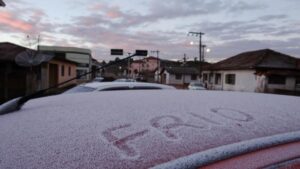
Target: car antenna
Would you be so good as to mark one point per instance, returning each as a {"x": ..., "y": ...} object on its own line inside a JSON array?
[{"x": 17, "y": 103}]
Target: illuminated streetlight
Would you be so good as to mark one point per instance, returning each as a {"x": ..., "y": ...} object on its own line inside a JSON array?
[{"x": 208, "y": 50}]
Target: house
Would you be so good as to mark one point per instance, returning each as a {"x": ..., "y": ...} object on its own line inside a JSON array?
[
  {"x": 117, "y": 69},
  {"x": 144, "y": 68},
  {"x": 179, "y": 77},
  {"x": 255, "y": 71},
  {"x": 81, "y": 56},
  {"x": 59, "y": 70},
  {"x": 17, "y": 80}
]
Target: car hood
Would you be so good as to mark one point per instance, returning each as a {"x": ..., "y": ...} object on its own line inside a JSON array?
[{"x": 137, "y": 129}]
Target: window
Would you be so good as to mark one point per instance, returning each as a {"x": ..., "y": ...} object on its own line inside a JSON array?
[
  {"x": 276, "y": 79},
  {"x": 79, "y": 89},
  {"x": 298, "y": 82},
  {"x": 81, "y": 72},
  {"x": 230, "y": 79},
  {"x": 62, "y": 70},
  {"x": 204, "y": 77},
  {"x": 69, "y": 70},
  {"x": 193, "y": 77},
  {"x": 178, "y": 76},
  {"x": 218, "y": 78},
  {"x": 211, "y": 75}
]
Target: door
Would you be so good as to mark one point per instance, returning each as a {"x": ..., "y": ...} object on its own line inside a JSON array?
[{"x": 53, "y": 74}]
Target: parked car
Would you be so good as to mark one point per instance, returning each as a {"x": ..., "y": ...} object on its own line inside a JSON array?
[
  {"x": 125, "y": 80},
  {"x": 98, "y": 79},
  {"x": 107, "y": 86},
  {"x": 153, "y": 128},
  {"x": 196, "y": 86}
]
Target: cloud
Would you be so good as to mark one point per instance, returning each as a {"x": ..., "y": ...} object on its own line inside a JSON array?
[
  {"x": 242, "y": 6},
  {"x": 9, "y": 22},
  {"x": 272, "y": 17},
  {"x": 21, "y": 17},
  {"x": 107, "y": 25},
  {"x": 290, "y": 46}
]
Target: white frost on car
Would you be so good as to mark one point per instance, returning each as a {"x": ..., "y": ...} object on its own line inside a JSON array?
[
  {"x": 139, "y": 129},
  {"x": 108, "y": 86}
]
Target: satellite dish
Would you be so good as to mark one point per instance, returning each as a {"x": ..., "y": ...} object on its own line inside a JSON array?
[
  {"x": 2, "y": 3},
  {"x": 30, "y": 58}
]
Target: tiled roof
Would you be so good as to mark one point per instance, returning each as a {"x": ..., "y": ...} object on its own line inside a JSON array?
[
  {"x": 9, "y": 51},
  {"x": 265, "y": 58},
  {"x": 182, "y": 70}
]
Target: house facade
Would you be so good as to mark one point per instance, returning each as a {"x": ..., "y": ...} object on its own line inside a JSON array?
[
  {"x": 179, "y": 77},
  {"x": 81, "y": 56},
  {"x": 144, "y": 68},
  {"x": 255, "y": 71},
  {"x": 59, "y": 70}
]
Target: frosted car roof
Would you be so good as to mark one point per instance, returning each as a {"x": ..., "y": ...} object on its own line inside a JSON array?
[{"x": 137, "y": 129}]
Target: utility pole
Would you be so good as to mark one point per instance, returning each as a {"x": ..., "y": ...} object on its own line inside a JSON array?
[
  {"x": 158, "y": 64},
  {"x": 201, "y": 58},
  {"x": 203, "y": 51},
  {"x": 128, "y": 66}
]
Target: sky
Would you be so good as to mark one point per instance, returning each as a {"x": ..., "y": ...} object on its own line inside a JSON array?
[{"x": 230, "y": 26}]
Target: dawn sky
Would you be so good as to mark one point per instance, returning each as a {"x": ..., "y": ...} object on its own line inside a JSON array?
[{"x": 230, "y": 26}]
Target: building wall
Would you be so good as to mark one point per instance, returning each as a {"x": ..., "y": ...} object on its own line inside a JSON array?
[
  {"x": 184, "y": 81},
  {"x": 135, "y": 66},
  {"x": 290, "y": 84},
  {"x": 245, "y": 80},
  {"x": 81, "y": 56},
  {"x": 66, "y": 76},
  {"x": 150, "y": 65}
]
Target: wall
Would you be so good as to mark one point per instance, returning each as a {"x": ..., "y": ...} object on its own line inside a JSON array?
[
  {"x": 185, "y": 79},
  {"x": 84, "y": 62},
  {"x": 152, "y": 64},
  {"x": 66, "y": 74},
  {"x": 81, "y": 56},
  {"x": 244, "y": 81},
  {"x": 290, "y": 84}
]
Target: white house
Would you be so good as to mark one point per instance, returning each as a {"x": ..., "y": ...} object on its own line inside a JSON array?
[
  {"x": 256, "y": 71},
  {"x": 179, "y": 77}
]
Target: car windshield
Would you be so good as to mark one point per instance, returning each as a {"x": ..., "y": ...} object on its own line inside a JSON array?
[
  {"x": 197, "y": 84},
  {"x": 80, "y": 89},
  {"x": 125, "y": 80}
]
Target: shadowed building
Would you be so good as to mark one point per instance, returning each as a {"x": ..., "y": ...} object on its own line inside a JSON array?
[{"x": 16, "y": 80}]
